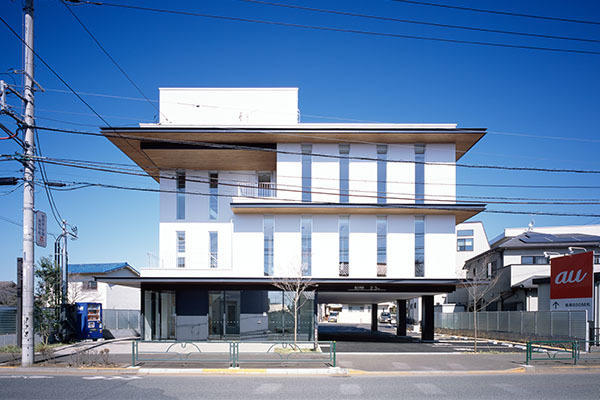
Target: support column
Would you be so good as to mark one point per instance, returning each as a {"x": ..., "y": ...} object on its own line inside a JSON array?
[
  {"x": 427, "y": 318},
  {"x": 374, "y": 308},
  {"x": 401, "y": 317}
]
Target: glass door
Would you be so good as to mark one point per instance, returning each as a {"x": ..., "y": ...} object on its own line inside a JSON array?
[{"x": 224, "y": 315}]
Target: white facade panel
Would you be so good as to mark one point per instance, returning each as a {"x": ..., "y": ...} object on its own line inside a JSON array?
[
  {"x": 439, "y": 242},
  {"x": 401, "y": 246},
  {"x": 325, "y": 173},
  {"x": 400, "y": 175},
  {"x": 287, "y": 260},
  {"x": 248, "y": 245},
  {"x": 363, "y": 246},
  {"x": 325, "y": 246},
  {"x": 363, "y": 174},
  {"x": 289, "y": 172},
  {"x": 440, "y": 178}
]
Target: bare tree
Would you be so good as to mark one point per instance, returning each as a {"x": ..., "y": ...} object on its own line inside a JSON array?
[
  {"x": 294, "y": 285},
  {"x": 480, "y": 284}
]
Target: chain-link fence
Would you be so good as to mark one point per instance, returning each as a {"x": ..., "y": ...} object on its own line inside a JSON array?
[
  {"x": 121, "y": 319},
  {"x": 547, "y": 324}
]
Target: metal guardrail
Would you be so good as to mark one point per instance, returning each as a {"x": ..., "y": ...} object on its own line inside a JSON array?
[
  {"x": 544, "y": 350},
  {"x": 278, "y": 352}
]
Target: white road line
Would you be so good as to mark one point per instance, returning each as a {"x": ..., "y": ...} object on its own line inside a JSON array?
[
  {"x": 401, "y": 365},
  {"x": 509, "y": 388},
  {"x": 428, "y": 388},
  {"x": 268, "y": 388},
  {"x": 25, "y": 377},
  {"x": 350, "y": 389},
  {"x": 111, "y": 378}
]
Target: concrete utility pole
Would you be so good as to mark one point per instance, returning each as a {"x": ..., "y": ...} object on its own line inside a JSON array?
[
  {"x": 27, "y": 349},
  {"x": 65, "y": 265}
]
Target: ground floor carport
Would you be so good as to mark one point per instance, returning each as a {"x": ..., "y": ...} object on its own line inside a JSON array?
[{"x": 190, "y": 308}]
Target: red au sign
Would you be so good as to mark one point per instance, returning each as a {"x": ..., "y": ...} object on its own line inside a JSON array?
[{"x": 572, "y": 276}]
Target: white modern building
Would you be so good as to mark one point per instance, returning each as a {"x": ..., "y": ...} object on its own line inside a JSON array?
[{"x": 365, "y": 213}]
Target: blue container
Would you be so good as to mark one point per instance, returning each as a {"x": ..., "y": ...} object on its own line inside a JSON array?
[{"x": 89, "y": 320}]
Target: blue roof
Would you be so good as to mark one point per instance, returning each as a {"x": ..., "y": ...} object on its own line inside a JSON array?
[{"x": 98, "y": 268}]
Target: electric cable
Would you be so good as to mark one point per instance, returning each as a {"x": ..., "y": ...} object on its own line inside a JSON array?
[
  {"x": 409, "y": 21},
  {"x": 340, "y": 30}
]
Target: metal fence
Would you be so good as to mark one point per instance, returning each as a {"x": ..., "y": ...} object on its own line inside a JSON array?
[
  {"x": 121, "y": 319},
  {"x": 8, "y": 320},
  {"x": 233, "y": 353},
  {"x": 549, "y": 324}
]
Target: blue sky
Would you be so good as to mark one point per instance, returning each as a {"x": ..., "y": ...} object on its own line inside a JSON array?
[{"x": 540, "y": 107}]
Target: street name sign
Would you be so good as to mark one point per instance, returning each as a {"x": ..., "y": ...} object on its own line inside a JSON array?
[{"x": 572, "y": 282}]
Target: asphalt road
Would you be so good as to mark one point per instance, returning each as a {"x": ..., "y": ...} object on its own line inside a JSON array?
[{"x": 502, "y": 386}]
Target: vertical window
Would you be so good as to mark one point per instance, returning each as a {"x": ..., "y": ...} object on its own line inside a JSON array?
[
  {"x": 381, "y": 173},
  {"x": 419, "y": 173},
  {"x": 344, "y": 232},
  {"x": 213, "y": 205},
  {"x": 381, "y": 246},
  {"x": 180, "y": 242},
  {"x": 213, "y": 247},
  {"x": 306, "y": 226},
  {"x": 344, "y": 173},
  {"x": 268, "y": 229},
  {"x": 180, "y": 249},
  {"x": 180, "y": 177},
  {"x": 306, "y": 172},
  {"x": 419, "y": 246}
]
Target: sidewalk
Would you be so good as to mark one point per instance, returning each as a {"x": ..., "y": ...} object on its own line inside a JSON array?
[{"x": 114, "y": 357}]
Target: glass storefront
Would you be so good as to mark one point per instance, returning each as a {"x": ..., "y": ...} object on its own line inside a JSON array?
[{"x": 159, "y": 315}]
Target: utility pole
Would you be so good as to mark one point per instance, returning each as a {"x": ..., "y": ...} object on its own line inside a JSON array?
[
  {"x": 65, "y": 265},
  {"x": 27, "y": 349}
]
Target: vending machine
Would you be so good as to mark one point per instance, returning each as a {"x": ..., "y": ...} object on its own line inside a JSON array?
[{"x": 89, "y": 319}]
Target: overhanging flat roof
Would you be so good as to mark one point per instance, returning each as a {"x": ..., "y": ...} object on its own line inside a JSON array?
[
  {"x": 462, "y": 212},
  {"x": 199, "y": 145}
]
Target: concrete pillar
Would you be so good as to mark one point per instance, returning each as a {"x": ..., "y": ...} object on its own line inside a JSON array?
[
  {"x": 401, "y": 317},
  {"x": 427, "y": 318},
  {"x": 374, "y": 317}
]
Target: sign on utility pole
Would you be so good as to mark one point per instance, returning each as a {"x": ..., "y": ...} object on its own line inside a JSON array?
[
  {"x": 572, "y": 282},
  {"x": 40, "y": 228}
]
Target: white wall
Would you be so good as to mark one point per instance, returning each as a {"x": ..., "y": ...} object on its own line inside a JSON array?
[
  {"x": 401, "y": 176},
  {"x": 289, "y": 172},
  {"x": 439, "y": 244},
  {"x": 228, "y": 106},
  {"x": 325, "y": 173},
  {"x": 401, "y": 246},
  {"x": 363, "y": 174}
]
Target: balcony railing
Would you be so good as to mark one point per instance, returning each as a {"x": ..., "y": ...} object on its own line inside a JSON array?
[{"x": 257, "y": 190}]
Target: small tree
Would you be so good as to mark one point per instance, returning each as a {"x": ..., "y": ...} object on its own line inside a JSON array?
[
  {"x": 294, "y": 285},
  {"x": 47, "y": 298},
  {"x": 479, "y": 284}
]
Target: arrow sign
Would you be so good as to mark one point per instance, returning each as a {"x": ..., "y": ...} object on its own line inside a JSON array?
[{"x": 555, "y": 304}]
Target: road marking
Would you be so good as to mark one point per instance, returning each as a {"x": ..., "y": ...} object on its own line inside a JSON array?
[
  {"x": 350, "y": 388},
  {"x": 428, "y": 388},
  {"x": 401, "y": 365},
  {"x": 455, "y": 365},
  {"x": 509, "y": 388},
  {"x": 25, "y": 377},
  {"x": 111, "y": 378},
  {"x": 267, "y": 388}
]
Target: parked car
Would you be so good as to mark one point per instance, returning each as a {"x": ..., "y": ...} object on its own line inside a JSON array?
[
  {"x": 385, "y": 317},
  {"x": 333, "y": 316}
]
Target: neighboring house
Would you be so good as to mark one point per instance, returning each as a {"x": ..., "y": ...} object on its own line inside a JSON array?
[
  {"x": 520, "y": 256},
  {"x": 250, "y": 197},
  {"x": 83, "y": 286}
]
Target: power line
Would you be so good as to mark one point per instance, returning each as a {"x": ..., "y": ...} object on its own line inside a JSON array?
[
  {"x": 341, "y": 30},
  {"x": 416, "y": 207},
  {"x": 512, "y": 14},
  {"x": 332, "y": 191},
  {"x": 68, "y": 86},
  {"x": 410, "y": 21},
  {"x": 251, "y": 148},
  {"x": 53, "y": 207},
  {"x": 113, "y": 60},
  {"x": 135, "y": 168}
]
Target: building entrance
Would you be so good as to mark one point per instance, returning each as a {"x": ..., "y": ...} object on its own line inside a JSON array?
[{"x": 224, "y": 314}]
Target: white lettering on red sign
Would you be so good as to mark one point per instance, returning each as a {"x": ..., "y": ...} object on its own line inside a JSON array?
[{"x": 567, "y": 277}]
